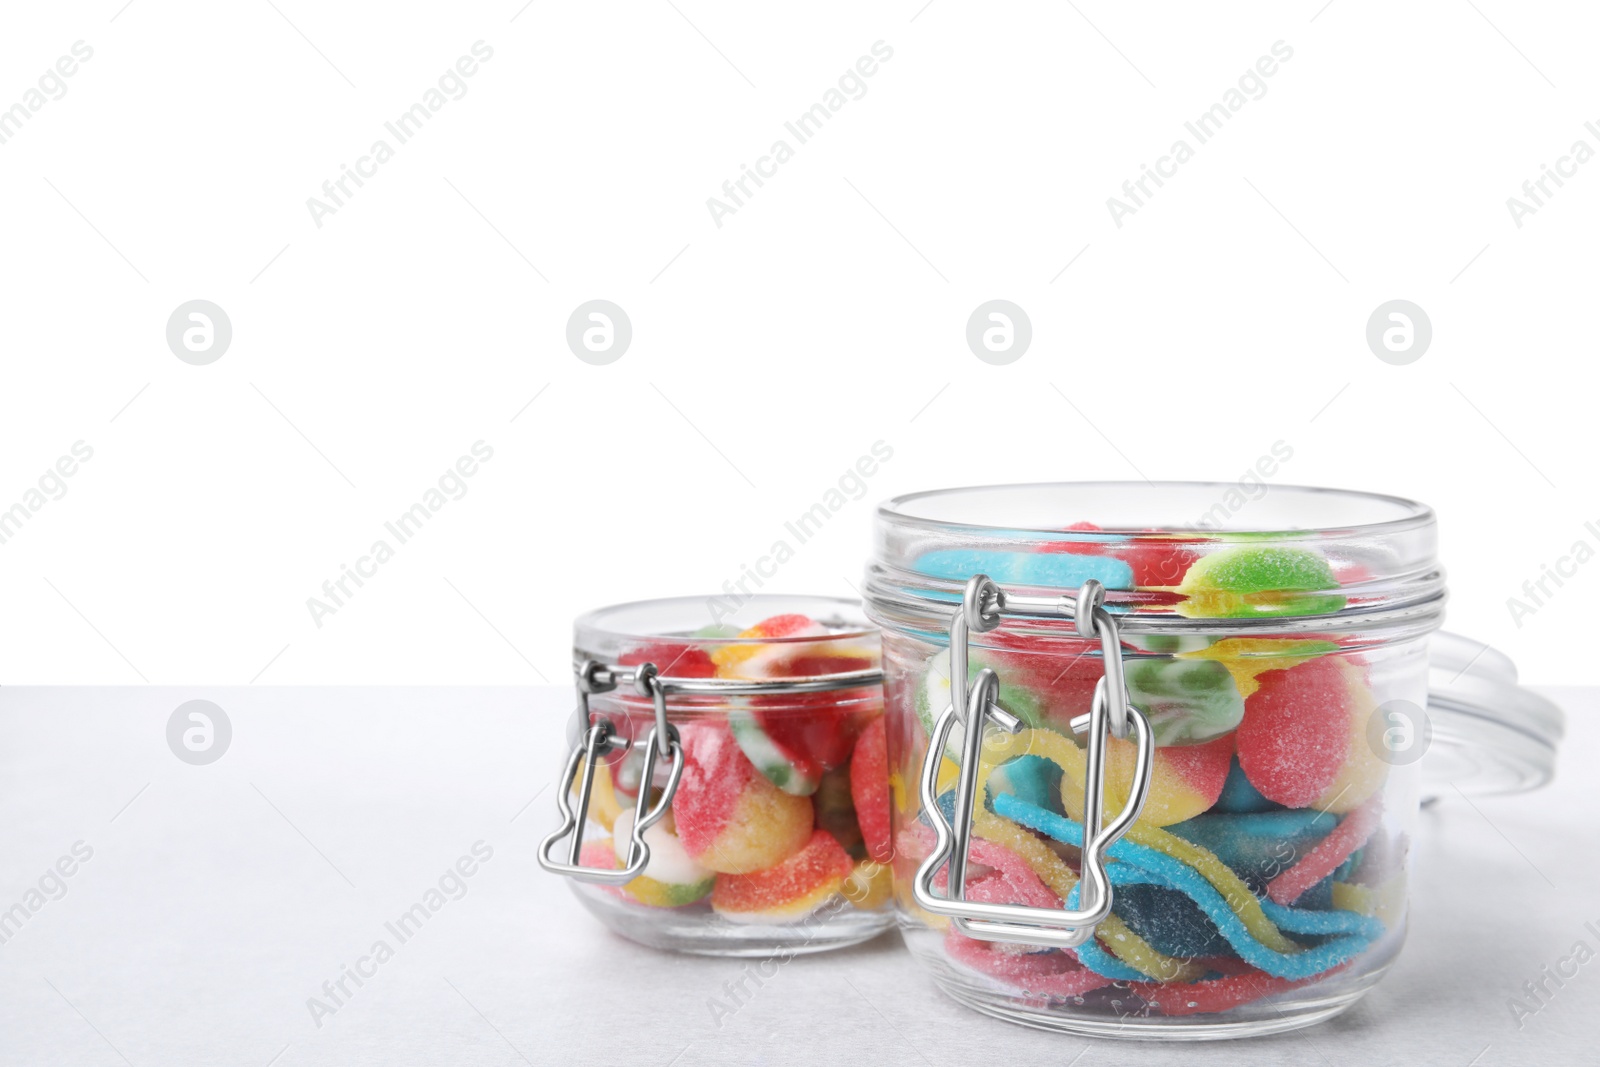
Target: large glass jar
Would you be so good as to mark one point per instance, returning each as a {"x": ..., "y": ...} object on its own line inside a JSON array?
[
  {"x": 738, "y": 802},
  {"x": 1273, "y": 654}
]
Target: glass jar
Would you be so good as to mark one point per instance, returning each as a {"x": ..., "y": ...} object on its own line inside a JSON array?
[
  {"x": 1223, "y": 696},
  {"x": 727, "y": 791}
]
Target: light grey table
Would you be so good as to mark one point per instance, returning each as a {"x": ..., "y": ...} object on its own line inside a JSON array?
[{"x": 219, "y": 898}]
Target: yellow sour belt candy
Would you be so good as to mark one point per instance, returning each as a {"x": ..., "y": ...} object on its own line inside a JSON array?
[
  {"x": 1386, "y": 901},
  {"x": 1072, "y": 760}
]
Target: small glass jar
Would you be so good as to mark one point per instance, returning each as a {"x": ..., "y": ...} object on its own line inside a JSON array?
[
  {"x": 1188, "y": 809},
  {"x": 728, "y": 787}
]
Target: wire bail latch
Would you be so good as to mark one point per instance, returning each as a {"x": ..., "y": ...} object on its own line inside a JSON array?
[
  {"x": 975, "y": 706},
  {"x": 601, "y": 738}
]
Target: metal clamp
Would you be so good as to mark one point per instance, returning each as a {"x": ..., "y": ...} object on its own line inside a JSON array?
[
  {"x": 982, "y": 607},
  {"x": 601, "y": 738}
]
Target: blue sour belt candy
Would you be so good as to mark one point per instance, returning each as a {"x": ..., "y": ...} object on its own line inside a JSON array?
[
  {"x": 1258, "y": 846},
  {"x": 1347, "y": 933},
  {"x": 1032, "y": 778},
  {"x": 1056, "y": 570}
]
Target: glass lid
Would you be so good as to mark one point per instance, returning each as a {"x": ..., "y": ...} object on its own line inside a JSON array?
[{"x": 1487, "y": 734}]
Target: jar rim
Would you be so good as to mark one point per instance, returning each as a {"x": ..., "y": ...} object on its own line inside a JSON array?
[
  {"x": 1375, "y": 553},
  {"x": 1411, "y": 513},
  {"x": 843, "y": 617}
]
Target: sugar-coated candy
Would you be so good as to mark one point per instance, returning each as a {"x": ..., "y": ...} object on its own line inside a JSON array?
[
  {"x": 1060, "y": 879},
  {"x": 1033, "y": 778},
  {"x": 1062, "y": 570},
  {"x": 786, "y": 891},
  {"x": 1157, "y": 562},
  {"x": 1243, "y": 581},
  {"x": 1296, "y": 732},
  {"x": 1185, "y": 780},
  {"x": 932, "y": 697},
  {"x": 997, "y": 875},
  {"x": 1364, "y": 770},
  {"x": 1185, "y": 700},
  {"x": 796, "y": 738},
  {"x": 729, "y": 816},
  {"x": 1385, "y": 901},
  {"x": 674, "y": 659},
  {"x": 1239, "y": 796},
  {"x": 1329, "y": 853},
  {"x": 1072, "y": 760},
  {"x": 1303, "y": 740},
  {"x": 1343, "y": 934},
  {"x": 784, "y": 766},
  {"x": 1247, "y": 658},
  {"x": 1168, "y": 921},
  {"x": 1219, "y": 994},
  {"x": 835, "y": 811},
  {"x": 869, "y": 789},
  {"x": 1258, "y": 846},
  {"x": 870, "y": 885},
  {"x": 670, "y": 879},
  {"x": 1054, "y": 974},
  {"x": 735, "y": 659}
]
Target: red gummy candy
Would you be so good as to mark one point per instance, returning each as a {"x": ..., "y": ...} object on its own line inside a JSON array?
[
  {"x": 1218, "y": 994},
  {"x": 815, "y": 731},
  {"x": 780, "y": 626},
  {"x": 673, "y": 660},
  {"x": 869, "y": 789},
  {"x": 1296, "y": 731},
  {"x": 1157, "y": 563},
  {"x": 798, "y": 883},
  {"x": 1052, "y": 973}
]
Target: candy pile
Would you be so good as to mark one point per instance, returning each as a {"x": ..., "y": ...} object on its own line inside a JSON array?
[
  {"x": 1260, "y": 861},
  {"x": 783, "y": 805}
]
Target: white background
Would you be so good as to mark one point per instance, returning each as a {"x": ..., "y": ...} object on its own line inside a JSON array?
[{"x": 769, "y": 353}]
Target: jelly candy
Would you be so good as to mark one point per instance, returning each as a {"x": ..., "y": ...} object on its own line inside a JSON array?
[
  {"x": 870, "y": 885},
  {"x": 1049, "y": 973},
  {"x": 785, "y": 766},
  {"x": 1185, "y": 700},
  {"x": 1033, "y": 778},
  {"x": 672, "y": 659},
  {"x": 1061, "y": 570},
  {"x": 1185, "y": 780},
  {"x": 1343, "y": 934},
  {"x": 1351, "y": 833},
  {"x": 794, "y": 739},
  {"x": 1169, "y": 921},
  {"x": 1247, "y": 658},
  {"x": 670, "y": 879},
  {"x": 1239, "y": 796},
  {"x": 1296, "y": 732},
  {"x": 1242, "y": 581},
  {"x": 786, "y": 891},
  {"x": 729, "y": 816},
  {"x": 869, "y": 788},
  {"x": 734, "y": 660},
  {"x": 836, "y": 812},
  {"x": 1258, "y": 846}
]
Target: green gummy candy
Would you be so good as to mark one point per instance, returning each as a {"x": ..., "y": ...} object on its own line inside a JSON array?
[
  {"x": 1249, "y": 572},
  {"x": 1186, "y": 701}
]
